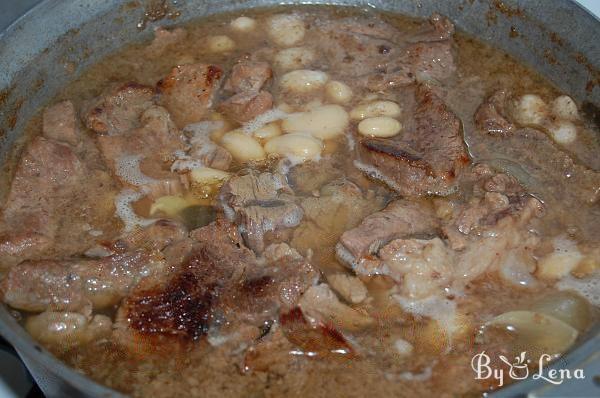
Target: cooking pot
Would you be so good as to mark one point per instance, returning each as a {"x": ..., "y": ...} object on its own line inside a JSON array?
[{"x": 57, "y": 39}]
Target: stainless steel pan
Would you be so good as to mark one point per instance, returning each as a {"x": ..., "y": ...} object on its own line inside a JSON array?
[{"x": 556, "y": 37}]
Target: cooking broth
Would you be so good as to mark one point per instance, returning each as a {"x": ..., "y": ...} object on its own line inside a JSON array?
[{"x": 315, "y": 201}]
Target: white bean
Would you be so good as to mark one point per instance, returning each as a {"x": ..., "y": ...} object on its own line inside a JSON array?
[
  {"x": 565, "y": 108},
  {"x": 530, "y": 109},
  {"x": 381, "y": 126},
  {"x": 242, "y": 147},
  {"x": 170, "y": 205},
  {"x": 286, "y": 30},
  {"x": 303, "y": 80},
  {"x": 243, "y": 24},
  {"x": 563, "y": 132},
  {"x": 268, "y": 131},
  {"x": 294, "y": 58},
  {"x": 338, "y": 92},
  {"x": 220, "y": 43},
  {"x": 324, "y": 123},
  {"x": 295, "y": 146},
  {"x": 374, "y": 109},
  {"x": 208, "y": 176},
  {"x": 67, "y": 328}
]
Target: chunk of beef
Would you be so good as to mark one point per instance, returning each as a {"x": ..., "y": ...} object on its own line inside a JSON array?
[
  {"x": 203, "y": 151},
  {"x": 119, "y": 109},
  {"x": 430, "y": 61},
  {"x": 440, "y": 28},
  {"x": 385, "y": 57},
  {"x": 320, "y": 305},
  {"x": 491, "y": 116},
  {"x": 310, "y": 176},
  {"x": 427, "y": 158},
  {"x": 248, "y": 76},
  {"x": 399, "y": 219},
  {"x": 262, "y": 205},
  {"x": 357, "y": 49},
  {"x": 220, "y": 282},
  {"x": 421, "y": 267},
  {"x": 155, "y": 142},
  {"x": 59, "y": 123},
  {"x": 44, "y": 182},
  {"x": 427, "y": 56},
  {"x": 246, "y": 81},
  {"x": 479, "y": 234},
  {"x": 77, "y": 284},
  {"x": 156, "y": 236},
  {"x": 339, "y": 206},
  {"x": 188, "y": 91},
  {"x": 163, "y": 39},
  {"x": 245, "y": 106},
  {"x": 265, "y": 291},
  {"x": 544, "y": 168}
]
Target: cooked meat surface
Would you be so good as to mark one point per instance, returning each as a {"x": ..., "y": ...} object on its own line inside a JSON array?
[
  {"x": 188, "y": 91},
  {"x": 399, "y": 219},
  {"x": 262, "y": 205},
  {"x": 75, "y": 284},
  {"x": 60, "y": 123},
  {"x": 220, "y": 281},
  {"x": 119, "y": 109},
  {"x": 46, "y": 179},
  {"x": 428, "y": 157}
]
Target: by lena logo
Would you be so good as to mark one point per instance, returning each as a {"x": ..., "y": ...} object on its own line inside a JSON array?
[{"x": 520, "y": 369}]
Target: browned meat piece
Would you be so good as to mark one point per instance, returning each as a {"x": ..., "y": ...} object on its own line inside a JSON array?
[
  {"x": 310, "y": 176},
  {"x": 44, "y": 181},
  {"x": 76, "y": 284},
  {"x": 119, "y": 109},
  {"x": 481, "y": 230},
  {"x": 541, "y": 166},
  {"x": 163, "y": 39},
  {"x": 246, "y": 80},
  {"x": 248, "y": 76},
  {"x": 491, "y": 115},
  {"x": 427, "y": 60},
  {"x": 320, "y": 305},
  {"x": 155, "y": 142},
  {"x": 188, "y": 91},
  {"x": 386, "y": 56},
  {"x": 429, "y": 57},
  {"x": 203, "y": 149},
  {"x": 245, "y": 106},
  {"x": 219, "y": 282},
  {"x": 156, "y": 236},
  {"x": 441, "y": 29},
  {"x": 427, "y": 158},
  {"x": 357, "y": 49},
  {"x": 218, "y": 158},
  {"x": 59, "y": 123},
  {"x": 262, "y": 205},
  {"x": 400, "y": 218}
]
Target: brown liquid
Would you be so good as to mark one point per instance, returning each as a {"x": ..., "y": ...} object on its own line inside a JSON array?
[{"x": 378, "y": 371}]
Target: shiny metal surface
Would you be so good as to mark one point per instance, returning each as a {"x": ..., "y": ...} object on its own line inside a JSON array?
[{"x": 560, "y": 40}]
